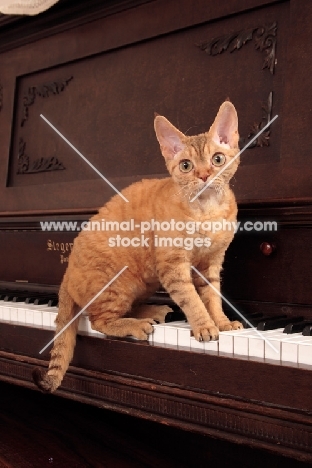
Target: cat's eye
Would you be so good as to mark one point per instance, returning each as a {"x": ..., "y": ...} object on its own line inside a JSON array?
[
  {"x": 218, "y": 159},
  {"x": 186, "y": 165}
]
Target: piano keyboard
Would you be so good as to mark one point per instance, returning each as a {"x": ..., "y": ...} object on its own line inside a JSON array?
[
  {"x": 250, "y": 342},
  {"x": 271, "y": 344},
  {"x": 41, "y": 316}
]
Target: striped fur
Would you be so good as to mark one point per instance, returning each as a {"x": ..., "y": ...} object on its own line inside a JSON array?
[{"x": 93, "y": 262}]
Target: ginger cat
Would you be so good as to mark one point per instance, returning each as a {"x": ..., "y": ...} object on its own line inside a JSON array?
[{"x": 192, "y": 161}]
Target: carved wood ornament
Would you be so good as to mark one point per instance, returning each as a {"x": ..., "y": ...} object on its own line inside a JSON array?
[
  {"x": 25, "y": 166},
  {"x": 45, "y": 90},
  {"x": 265, "y": 41},
  {"x": 264, "y": 138},
  {"x": 264, "y": 38}
]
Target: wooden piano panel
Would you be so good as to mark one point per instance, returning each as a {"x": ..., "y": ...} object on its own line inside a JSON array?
[
  {"x": 35, "y": 257},
  {"x": 281, "y": 277},
  {"x": 82, "y": 432},
  {"x": 101, "y": 93},
  {"x": 259, "y": 404}
]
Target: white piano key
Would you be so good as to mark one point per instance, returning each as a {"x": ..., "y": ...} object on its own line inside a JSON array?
[
  {"x": 45, "y": 316},
  {"x": 290, "y": 348},
  {"x": 53, "y": 315},
  {"x": 90, "y": 330},
  {"x": 241, "y": 345},
  {"x": 29, "y": 316},
  {"x": 50, "y": 309},
  {"x": 6, "y": 313},
  {"x": 1, "y": 310},
  {"x": 21, "y": 314},
  {"x": 46, "y": 322},
  {"x": 241, "y": 341},
  {"x": 83, "y": 324},
  {"x": 204, "y": 346},
  {"x": 158, "y": 334},
  {"x": 211, "y": 346},
  {"x": 226, "y": 342},
  {"x": 38, "y": 318},
  {"x": 89, "y": 327},
  {"x": 273, "y": 344},
  {"x": 197, "y": 345},
  {"x": 272, "y": 349},
  {"x": 13, "y": 313},
  {"x": 84, "y": 321},
  {"x": 184, "y": 336},
  {"x": 171, "y": 334},
  {"x": 256, "y": 347},
  {"x": 305, "y": 352},
  {"x": 176, "y": 324}
]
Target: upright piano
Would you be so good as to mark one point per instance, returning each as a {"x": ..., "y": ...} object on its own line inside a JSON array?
[{"x": 98, "y": 71}]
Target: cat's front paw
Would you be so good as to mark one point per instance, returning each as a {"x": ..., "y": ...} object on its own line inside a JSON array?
[
  {"x": 206, "y": 333},
  {"x": 227, "y": 325},
  {"x": 143, "y": 328}
]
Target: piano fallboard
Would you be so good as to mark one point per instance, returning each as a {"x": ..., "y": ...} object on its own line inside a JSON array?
[{"x": 261, "y": 404}]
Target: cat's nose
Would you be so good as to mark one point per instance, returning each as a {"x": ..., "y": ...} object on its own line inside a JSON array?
[{"x": 204, "y": 177}]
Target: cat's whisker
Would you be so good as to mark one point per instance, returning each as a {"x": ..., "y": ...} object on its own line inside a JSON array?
[
  {"x": 194, "y": 192},
  {"x": 188, "y": 189},
  {"x": 185, "y": 189},
  {"x": 219, "y": 190}
]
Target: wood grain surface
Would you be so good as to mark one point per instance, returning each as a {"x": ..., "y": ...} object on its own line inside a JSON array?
[{"x": 47, "y": 431}]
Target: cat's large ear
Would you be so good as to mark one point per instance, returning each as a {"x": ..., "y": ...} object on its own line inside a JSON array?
[
  {"x": 224, "y": 130},
  {"x": 169, "y": 137}
]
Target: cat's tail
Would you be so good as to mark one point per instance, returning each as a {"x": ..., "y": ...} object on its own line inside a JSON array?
[{"x": 63, "y": 348}]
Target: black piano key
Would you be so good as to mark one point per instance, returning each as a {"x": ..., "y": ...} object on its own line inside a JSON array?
[
  {"x": 8, "y": 298},
  {"x": 296, "y": 327},
  {"x": 249, "y": 318},
  {"x": 175, "y": 316},
  {"x": 29, "y": 297},
  {"x": 52, "y": 303},
  {"x": 232, "y": 315},
  {"x": 41, "y": 301},
  {"x": 18, "y": 299},
  {"x": 307, "y": 331},
  {"x": 274, "y": 323},
  {"x": 255, "y": 321},
  {"x": 30, "y": 300}
]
